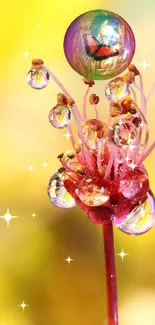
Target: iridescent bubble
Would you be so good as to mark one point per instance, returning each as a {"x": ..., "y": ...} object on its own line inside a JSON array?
[
  {"x": 93, "y": 131},
  {"x": 140, "y": 219},
  {"x": 57, "y": 193},
  {"x": 60, "y": 116},
  {"x": 38, "y": 78},
  {"x": 92, "y": 192},
  {"x": 99, "y": 44},
  {"x": 123, "y": 133},
  {"x": 117, "y": 89}
]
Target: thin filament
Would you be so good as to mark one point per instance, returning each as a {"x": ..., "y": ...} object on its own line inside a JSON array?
[{"x": 85, "y": 104}]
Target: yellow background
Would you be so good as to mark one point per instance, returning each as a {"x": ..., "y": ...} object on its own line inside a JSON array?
[{"x": 32, "y": 250}]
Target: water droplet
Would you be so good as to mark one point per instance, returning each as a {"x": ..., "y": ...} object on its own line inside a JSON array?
[
  {"x": 116, "y": 90},
  {"x": 123, "y": 133},
  {"x": 134, "y": 184},
  {"x": 60, "y": 116},
  {"x": 140, "y": 219},
  {"x": 93, "y": 131},
  {"x": 38, "y": 78},
  {"x": 92, "y": 192},
  {"x": 57, "y": 193}
]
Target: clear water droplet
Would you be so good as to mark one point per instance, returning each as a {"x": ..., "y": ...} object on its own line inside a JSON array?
[
  {"x": 57, "y": 193},
  {"x": 38, "y": 78},
  {"x": 117, "y": 89},
  {"x": 123, "y": 133},
  {"x": 93, "y": 131},
  {"x": 60, "y": 116},
  {"x": 140, "y": 219},
  {"x": 92, "y": 192},
  {"x": 134, "y": 184}
]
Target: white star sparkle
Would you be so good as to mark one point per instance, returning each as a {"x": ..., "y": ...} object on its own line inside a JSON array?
[
  {"x": 8, "y": 217},
  {"x": 33, "y": 215},
  {"x": 132, "y": 166},
  {"x": 122, "y": 254},
  {"x": 38, "y": 26},
  {"x": 67, "y": 135},
  {"x": 144, "y": 64},
  {"x": 45, "y": 164},
  {"x": 26, "y": 54},
  {"x": 132, "y": 147},
  {"x": 30, "y": 168},
  {"x": 127, "y": 159},
  {"x": 120, "y": 122},
  {"x": 69, "y": 260},
  {"x": 23, "y": 305}
]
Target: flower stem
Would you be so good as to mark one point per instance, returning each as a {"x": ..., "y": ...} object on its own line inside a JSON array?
[{"x": 110, "y": 273}]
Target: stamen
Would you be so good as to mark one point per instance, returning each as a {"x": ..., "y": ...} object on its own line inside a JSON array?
[
  {"x": 85, "y": 103},
  {"x": 96, "y": 111}
]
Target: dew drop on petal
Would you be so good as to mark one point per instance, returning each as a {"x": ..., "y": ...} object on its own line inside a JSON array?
[
  {"x": 38, "y": 78},
  {"x": 116, "y": 89},
  {"x": 134, "y": 184},
  {"x": 123, "y": 133},
  {"x": 140, "y": 219},
  {"x": 92, "y": 192},
  {"x": 60, "y": 116},
  {"x": 58, "y": 194}
]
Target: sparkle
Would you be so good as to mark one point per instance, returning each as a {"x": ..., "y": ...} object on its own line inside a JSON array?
[
  {"x": 144, "y": 64},
  {"x": 69, "y": 260},
  {"x": 67, "y": 135},
  {"x": 120, "y": 122},
  {"x": 127, "y": 159},
  {"x": 122, "y": 254},
  {"x": 38, "y": 26},
  {"x": 26, "y": 54},
  {"x": 8, "y": 217},
  {"x": 132, "y": 165},
  {"x": 45, "y": 164},
  {"x": 30, "y": 168},
  {"x": 132, "y": 146},
  {"x": 23, "y": 305},
  {"x": 33, "y": 215}
]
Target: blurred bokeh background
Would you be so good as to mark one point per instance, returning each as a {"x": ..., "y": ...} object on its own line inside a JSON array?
[{"x": 33, "y": 249}]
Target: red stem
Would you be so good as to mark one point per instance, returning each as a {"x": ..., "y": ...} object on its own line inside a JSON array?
[{"x": 110, "y": 273}]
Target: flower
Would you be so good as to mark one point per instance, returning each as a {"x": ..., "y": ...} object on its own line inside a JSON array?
[{"x": 104, "y": 173}]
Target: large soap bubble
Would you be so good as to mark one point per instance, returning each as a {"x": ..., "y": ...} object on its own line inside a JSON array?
[{"x": 99, "y": 44}]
